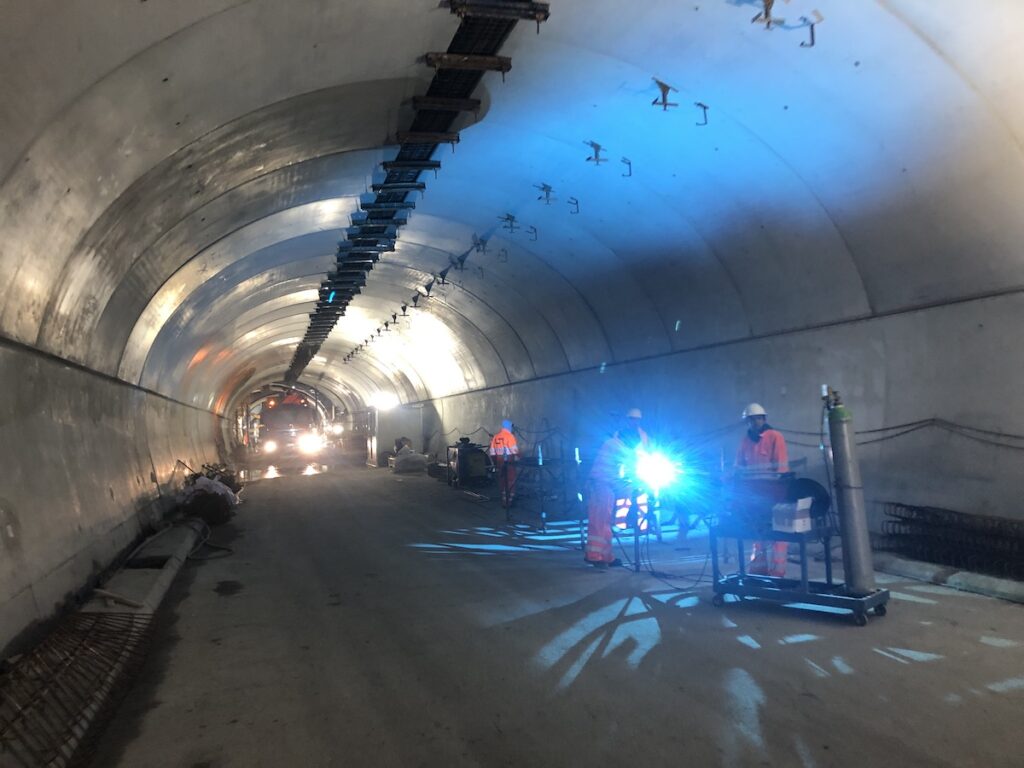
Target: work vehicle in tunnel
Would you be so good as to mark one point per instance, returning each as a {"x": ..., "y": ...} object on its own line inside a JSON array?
[{"x": 290, "y": 433}]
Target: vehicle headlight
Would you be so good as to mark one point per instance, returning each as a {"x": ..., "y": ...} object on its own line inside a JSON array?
[
  {"x": 310, "y": 442},
  {"x": 269, "y": 446}
]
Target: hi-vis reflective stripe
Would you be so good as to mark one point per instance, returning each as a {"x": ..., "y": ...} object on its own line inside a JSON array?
[
  {"x": 622, "y": 512},
  {"x": 503, "y": 451},
  {"x": 503, "y": 444}
]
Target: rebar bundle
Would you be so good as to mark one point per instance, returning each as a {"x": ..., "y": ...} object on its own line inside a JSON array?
[
  {"x": 992, "y": 545},
  {"x": 55, "y": 699}
]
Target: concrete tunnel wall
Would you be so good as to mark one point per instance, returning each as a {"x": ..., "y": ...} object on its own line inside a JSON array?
[
  {"x": 890, "y": 370},
  {"x": 89, "y": 463},
  {"x": 173, "y": 179}
]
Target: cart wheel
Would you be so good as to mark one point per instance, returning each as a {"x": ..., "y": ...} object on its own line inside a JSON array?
[
  {"x": 718, "y": 600},
  {"x": 860, "y": 619},
  {"x": 880, "y": 610}
]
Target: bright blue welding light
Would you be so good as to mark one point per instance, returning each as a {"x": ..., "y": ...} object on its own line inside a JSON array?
[
  {"x": 655, "y": 470},
  {"x": 330, "y": 298}
]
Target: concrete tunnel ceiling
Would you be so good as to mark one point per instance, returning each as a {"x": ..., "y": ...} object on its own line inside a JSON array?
[{"x": 176, "y": 177}]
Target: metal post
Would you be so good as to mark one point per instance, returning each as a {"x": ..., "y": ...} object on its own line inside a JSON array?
[
  {"x": 858, "y": 564},
  {"x": 635, "y": 512}
]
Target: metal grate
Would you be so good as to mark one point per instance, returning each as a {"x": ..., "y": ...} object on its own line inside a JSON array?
[
  {"x": 993, "y": 545},
  {"x": 55, "y": 700},
  {"x": 485, "y": 26}
]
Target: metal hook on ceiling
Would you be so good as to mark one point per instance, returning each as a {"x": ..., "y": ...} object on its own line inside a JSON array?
[
  {"x": 704, "y": 107},
  {"x": 629, "y": 165},
  {"x": 818, "y": 18},
  {"x": 576, "y": 205}
]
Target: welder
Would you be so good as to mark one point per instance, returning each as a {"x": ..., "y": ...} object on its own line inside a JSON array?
[
  {"x": 761, "y": 458},
  {"x": 504, "y": 451},
  {"x": 605, "y": 485}
]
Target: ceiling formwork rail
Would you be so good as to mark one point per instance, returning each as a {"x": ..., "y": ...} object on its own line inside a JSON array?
[{"x": 484, "y": 28}]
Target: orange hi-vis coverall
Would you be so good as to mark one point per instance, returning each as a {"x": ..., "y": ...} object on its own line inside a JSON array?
[
  {"x": 604, "y": 475},
  {"x": 767, "y": 454},
  {"x": 504, "y": 450}
]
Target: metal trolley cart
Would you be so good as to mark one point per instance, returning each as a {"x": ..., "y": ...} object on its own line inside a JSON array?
[{"x": 785, "y": 590}]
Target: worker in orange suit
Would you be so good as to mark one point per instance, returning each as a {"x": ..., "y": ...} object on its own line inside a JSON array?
[
  {"x": 504, "y": 452},
  {"x": 604, "y": 486},
  {"x": 762, "y": 456}
]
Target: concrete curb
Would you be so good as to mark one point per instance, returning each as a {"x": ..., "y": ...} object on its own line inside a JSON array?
[
  {"x": 966, "y": 581},
  {"x": 143, "y": 589}
]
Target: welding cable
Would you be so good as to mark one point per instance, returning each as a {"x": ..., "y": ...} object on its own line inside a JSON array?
[
  {"x": 884, "y": 438},
  {"x": 803, "y": 445},
  {"x": 896, "y": 427},
  {"x": 625, "y": 558},
  {"x": 989, "y": 432},
  {"x": 689, "y": 582},
  {"x": 666, "y": 578},
  {"x": 983, "y": 440},
  {"x": 647, "y": 563},
  {"x": 204, "y": 533},
  {"x": 548, "y": 431}
]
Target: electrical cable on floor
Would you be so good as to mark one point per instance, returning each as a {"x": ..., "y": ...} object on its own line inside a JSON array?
[
  {"x": 204, "y": 533},
  {"x": 625, "y": 557},
  {"x": 666, "y": 578},
  {"x": 662, "y": 576}
]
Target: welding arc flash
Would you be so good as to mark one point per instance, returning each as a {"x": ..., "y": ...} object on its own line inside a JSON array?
[{"x": 655, "y": 470}]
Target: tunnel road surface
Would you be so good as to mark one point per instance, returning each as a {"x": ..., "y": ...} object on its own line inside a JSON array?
[{"x": 365, "y": 619}]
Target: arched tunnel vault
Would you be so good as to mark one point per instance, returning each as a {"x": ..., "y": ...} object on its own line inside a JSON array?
[{"x": 175, "y": 179}]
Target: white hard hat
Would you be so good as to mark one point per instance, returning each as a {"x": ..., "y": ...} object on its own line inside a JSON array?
[
  {"x": 754, "y": 409},
  {"x": 634, "y": 413}
]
